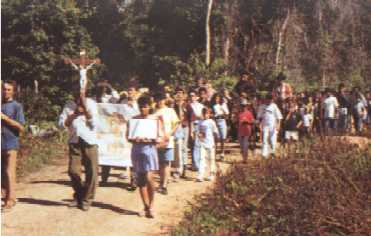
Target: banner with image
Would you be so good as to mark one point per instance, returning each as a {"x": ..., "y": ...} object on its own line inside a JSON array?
[{"x": 114, "y": 149}]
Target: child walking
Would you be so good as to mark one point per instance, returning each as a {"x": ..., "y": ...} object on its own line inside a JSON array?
[
  {"x": 206, "y": 133},
  {"x": 145, "y": 160}
]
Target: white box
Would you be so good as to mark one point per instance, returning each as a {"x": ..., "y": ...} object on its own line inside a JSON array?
[{"x": 143, "y": 129}]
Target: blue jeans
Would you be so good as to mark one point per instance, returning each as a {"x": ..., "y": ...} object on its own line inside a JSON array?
[
  {"x": 358, "y": 121},
  {"x": 195, "y": 151},
  {"x": 185, "y": 145}
]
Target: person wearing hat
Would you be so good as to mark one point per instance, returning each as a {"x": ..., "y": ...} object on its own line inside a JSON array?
[{"x": 245, "y": 127}]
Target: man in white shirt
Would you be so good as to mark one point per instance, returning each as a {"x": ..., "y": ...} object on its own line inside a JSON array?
[
  {"x": 330, "y": 106},
  {"x": 80, "y": 117},
  {"x": 270, "y": 118}
]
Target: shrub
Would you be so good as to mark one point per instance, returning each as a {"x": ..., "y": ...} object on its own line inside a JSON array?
[{"x": 323, "y": 190}]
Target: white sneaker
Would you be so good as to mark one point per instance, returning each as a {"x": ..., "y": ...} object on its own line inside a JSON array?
[
  {"x": 176, "y": 175},
  {"x": 123, "y": 176}
]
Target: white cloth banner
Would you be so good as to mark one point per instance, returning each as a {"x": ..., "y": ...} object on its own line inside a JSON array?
[{"x": 114, "y": 149}]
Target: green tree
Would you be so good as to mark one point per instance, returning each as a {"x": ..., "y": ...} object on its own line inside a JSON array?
[{"x": 35, "y": 37}]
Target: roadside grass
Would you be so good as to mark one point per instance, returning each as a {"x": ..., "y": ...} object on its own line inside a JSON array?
[
  {"x": 322, "y": 188},
  {"x": 37, "y": 152}
]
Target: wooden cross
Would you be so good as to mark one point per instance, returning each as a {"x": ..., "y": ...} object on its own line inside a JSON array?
[
  {"x": 82, "y": 64},
  {"x": 83, "y": 60}
]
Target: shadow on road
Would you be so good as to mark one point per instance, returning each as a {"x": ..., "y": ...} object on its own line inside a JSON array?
[
  {"x": 107, "y": 206},
  {"x": 60, "y": 182},
  {"x": 41, "y": 202},
  {"x": 113, "y": 208},
  {"x": 112, "y": 184}
]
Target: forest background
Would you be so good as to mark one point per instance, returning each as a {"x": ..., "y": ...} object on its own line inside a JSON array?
[{"x": 316, "y": 43}]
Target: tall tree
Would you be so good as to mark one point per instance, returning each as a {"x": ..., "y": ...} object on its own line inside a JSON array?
[
  {"x": 34, "y": 38},
  {"x": 208, "y": 33}
]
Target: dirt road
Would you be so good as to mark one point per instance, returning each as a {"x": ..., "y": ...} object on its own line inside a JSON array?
[{"x": 43, "y": 198}]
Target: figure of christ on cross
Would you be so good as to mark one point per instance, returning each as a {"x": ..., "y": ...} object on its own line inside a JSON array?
[{"x": 84, "y": 65}]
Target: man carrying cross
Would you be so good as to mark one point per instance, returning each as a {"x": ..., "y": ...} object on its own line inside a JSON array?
[
  {"x": 84, "y": 65},
  {"x": 80, "y": 117}
]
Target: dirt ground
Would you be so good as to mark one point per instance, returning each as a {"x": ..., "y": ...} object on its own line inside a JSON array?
[{"x": 43, "y": 198}]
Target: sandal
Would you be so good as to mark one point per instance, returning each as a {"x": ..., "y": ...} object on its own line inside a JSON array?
[
  {"x": 9, "y": 205},
  {"x": 148, "y": 213}
]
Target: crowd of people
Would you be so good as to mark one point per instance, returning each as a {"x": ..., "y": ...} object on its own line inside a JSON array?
[{"x": 197, "y": 122}]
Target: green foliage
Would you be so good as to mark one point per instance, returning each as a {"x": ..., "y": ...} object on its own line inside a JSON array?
[
  {"x": 163, "y": 41},
  {"x": 35, "y": 38},
  {"x": 179, "y": 73}
]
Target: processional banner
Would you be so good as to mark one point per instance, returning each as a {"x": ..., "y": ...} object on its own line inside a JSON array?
[{"x": 114, "y": 149}]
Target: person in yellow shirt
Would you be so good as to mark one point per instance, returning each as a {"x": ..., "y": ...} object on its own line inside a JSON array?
[{"x": 166, "y": 149}]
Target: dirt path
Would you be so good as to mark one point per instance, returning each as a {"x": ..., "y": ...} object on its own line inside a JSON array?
[{"x": 43, "y": 198}]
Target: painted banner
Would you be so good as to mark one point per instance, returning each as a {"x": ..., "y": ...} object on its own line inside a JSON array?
[{"x": 114, "y": 149}]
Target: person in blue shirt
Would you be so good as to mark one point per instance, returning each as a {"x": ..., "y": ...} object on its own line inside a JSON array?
[
  {"x": 12, "y": 124},
  {"x": 206, "y": 133}
]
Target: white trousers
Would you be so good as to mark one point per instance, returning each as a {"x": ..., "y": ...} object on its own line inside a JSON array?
[
  {"x": 207, "y": 160},
  {"x": 269, "y": 139},
  {"x": 179, "y": 162}
]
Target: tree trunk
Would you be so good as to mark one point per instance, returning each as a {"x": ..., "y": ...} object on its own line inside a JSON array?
[
  {"x": 281, "y": 40},
  {"x": 36, "y": 86},
  {"x": 208, "y": 37},
  {"x": 323, "y": 79},
  {"x": 227, "y": 45}
]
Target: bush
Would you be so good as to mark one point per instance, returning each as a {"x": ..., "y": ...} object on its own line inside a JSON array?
[{"x": 321, "y": 191}]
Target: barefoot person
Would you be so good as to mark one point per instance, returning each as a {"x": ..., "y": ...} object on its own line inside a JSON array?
[
  {"x": 12, "y": 121},
  {"x": 145, "y": 160},
  {"x": 80, "y": 117}
]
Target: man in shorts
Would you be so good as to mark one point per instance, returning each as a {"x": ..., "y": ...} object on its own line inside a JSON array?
[
  {"x": 12, "y": 124},
  {"x": 291, "y": 126}
]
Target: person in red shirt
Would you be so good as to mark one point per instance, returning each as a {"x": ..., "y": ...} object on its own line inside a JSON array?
[{"x": 245, "y": 128}]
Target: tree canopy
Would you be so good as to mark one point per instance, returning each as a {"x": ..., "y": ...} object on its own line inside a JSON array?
[{"x": 316, "y": 43}]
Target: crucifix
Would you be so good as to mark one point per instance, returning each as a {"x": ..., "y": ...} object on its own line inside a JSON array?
[{"x": 84, "y": 64}]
